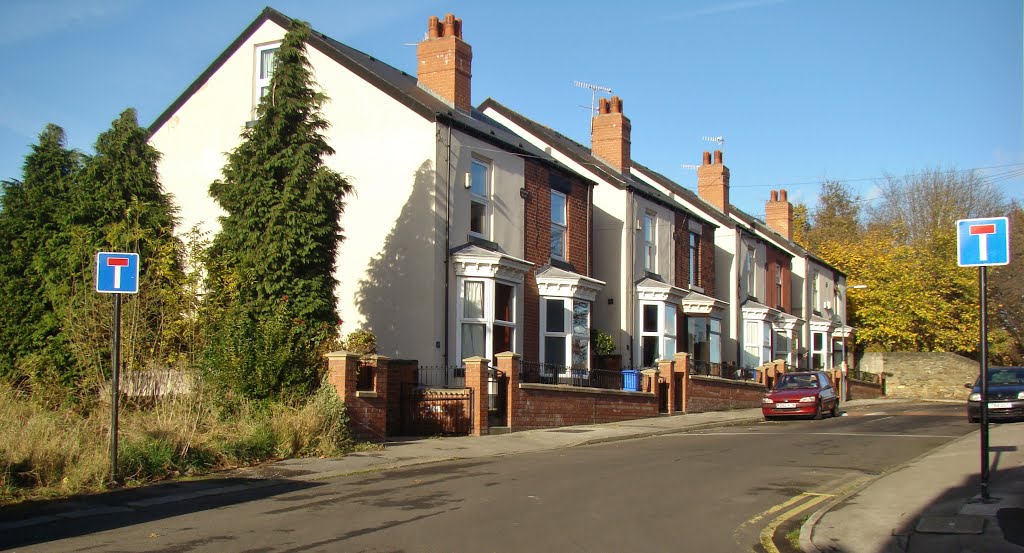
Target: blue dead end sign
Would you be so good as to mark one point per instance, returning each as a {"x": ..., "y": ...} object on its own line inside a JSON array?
[
  {"x": 983, "y": 242},
  {"x": 117, "y": 273}
]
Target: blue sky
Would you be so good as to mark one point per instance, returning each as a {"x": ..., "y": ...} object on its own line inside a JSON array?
[{"x": 801, "y": 90}]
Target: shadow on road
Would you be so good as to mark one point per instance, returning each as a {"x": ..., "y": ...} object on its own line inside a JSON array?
[{"x": 38, "y": 522}]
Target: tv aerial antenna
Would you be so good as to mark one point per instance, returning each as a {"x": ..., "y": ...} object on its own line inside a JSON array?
[
  {"x": 593, "y": 97},
  {"x": 720, "y": 140}
]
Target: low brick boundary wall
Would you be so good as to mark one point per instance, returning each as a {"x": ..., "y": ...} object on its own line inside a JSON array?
[
  {"x": 708, "y": 393},
  {"x": 550, "y": 406},
  {"x": 857, "y": 389}
]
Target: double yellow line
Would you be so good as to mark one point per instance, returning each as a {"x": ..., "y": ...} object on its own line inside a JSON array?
[{"x": 790, "y": 509}]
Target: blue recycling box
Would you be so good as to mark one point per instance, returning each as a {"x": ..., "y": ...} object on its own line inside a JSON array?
[{"x": 631, "y": 380}]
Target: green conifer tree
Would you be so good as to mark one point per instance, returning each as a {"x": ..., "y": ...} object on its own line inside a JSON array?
[
  {"x": 271, "y": 301},
  {"x": 32, "y": 214}
]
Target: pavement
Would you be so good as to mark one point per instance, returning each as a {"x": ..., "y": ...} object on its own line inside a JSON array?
[
  {"x": 928, "y": 504},
  {"x": 932, "y": 504}
]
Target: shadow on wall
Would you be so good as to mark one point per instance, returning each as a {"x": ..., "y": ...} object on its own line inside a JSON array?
[
  {"x": 607, "y": 265},
  {"x": 398, "y": 295}
]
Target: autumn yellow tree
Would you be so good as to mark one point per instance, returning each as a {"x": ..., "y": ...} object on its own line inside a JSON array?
[{"x": 904, "y": 251}]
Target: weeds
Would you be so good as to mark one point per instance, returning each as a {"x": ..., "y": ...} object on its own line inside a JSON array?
[{"x": 46, "y": 452}]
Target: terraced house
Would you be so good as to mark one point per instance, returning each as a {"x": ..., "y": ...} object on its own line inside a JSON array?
[
  {"x": 462, "y": 237},
  {"x": 474, "y": 232},
  {"x": 656, "y": 256}
]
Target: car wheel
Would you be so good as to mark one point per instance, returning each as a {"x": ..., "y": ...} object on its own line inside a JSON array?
[
  {"x": 818, "y": 413},
  {"x": 973, "y": 420},
  {"x": 835, "y": 409}
]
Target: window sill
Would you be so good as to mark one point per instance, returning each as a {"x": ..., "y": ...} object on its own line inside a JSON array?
[
  {"x": 698, "y": 289},
  {"x": 366, "y": 394}
]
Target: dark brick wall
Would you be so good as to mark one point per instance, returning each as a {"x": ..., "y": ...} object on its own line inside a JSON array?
[
  {"x": 715, "y": 394},
  {"x": 856, "y": 389},
  {"x": 778, "y": 262},
  {"x": 705, "y": 253},
  {"x": 550, "y": 407},
  {"x": 537, "y": 239}
]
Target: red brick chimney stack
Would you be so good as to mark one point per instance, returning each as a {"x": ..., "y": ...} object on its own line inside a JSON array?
[
  {"x": 779, "y": 214},
  {"x": 609, "y": 138},
  {"x": 445, "y": 62},
  {"x": 713, "y": 181}
]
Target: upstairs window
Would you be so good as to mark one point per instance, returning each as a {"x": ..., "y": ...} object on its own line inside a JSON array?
[
  {"x": 751, "y": 268},
  {"x": 559, "y": 225},
  {"x": 778, "y": 286},
  {"x": 265, "y": 57},
  {"x": 650, "y": 250},
  {"x": 479, "y": 187},
  {"x": 694, "y": 259},
  {"x": 815, "y": 297}
]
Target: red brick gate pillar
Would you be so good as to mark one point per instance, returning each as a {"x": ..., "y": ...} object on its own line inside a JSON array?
[
  {"x": 683, "y": 372},
  {"x": 508, "y": 363},
  {"x": 366, "y": 408},
  {"x": 666, "y": 370},
  {"x": 476, "y": 380}
]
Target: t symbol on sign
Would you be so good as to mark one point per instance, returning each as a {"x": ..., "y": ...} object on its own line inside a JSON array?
[
  {"x": 982, "y": 232},
  {"x": 117, "y": 263}
]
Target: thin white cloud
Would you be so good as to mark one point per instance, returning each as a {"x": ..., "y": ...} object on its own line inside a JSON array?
[
  {"x": 721, "y": 8},
  {"x": 20, "y": 21}
]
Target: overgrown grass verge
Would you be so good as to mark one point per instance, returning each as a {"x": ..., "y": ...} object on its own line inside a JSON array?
[{"x": 56, "y": 453}]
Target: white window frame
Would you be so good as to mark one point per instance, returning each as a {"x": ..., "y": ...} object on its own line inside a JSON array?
[
  {"x": 488, "y": 319},
  {"x": 751, "y": 272},
  {"x": 778, "y": 285},
  {"x": 261, "y": 82},
  {"x": 568, "y": 334},
  {"x": 823, "y": 352},
  {"x": 815, "y": 295},
  {"x": 559, "y": 227},
  {"x": 666, "y": 338},
  {"x": 650, "y": 238},
  {"x": 694, "y": 259},
  {"x": 751, "y": 344},
  {"x": 480, "y": 197}
]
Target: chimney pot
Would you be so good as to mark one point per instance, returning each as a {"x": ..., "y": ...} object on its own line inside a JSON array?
[
  {"x": 779, "y": 214},
  {"x": 610, "y": 134},
  {"x": 713, "y": 181},
  {"x": 445, "y": 62},
  {"x": 449, "y": 25}
]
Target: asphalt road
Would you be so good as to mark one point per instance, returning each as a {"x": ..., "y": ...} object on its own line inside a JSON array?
[{"x": 708, "y": 491}]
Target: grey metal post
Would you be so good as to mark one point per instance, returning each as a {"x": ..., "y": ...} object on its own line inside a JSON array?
[
  {"x": 982, "y": 284},
  {"x": 115, "y": 360}
]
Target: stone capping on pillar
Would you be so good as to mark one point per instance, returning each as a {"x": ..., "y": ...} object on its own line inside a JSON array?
[{"x": 477, "y": 369}]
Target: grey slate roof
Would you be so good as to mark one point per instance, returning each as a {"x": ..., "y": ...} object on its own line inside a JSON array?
[
  {"x": 401, "y": 86},
  {"x": 581, "y": 154}
]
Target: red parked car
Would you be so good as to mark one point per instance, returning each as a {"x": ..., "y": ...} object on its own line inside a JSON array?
[{"x": 801, "y": 394}]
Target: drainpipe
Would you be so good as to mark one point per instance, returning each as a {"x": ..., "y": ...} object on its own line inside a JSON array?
[
  {"x": 447, "y": 243},
  {"x": 631, "y": 304}
]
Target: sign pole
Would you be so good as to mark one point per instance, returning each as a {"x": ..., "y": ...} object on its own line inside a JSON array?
[
  {"x": 982, "y": 286},
  {"x": 115, "y": 360}
]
